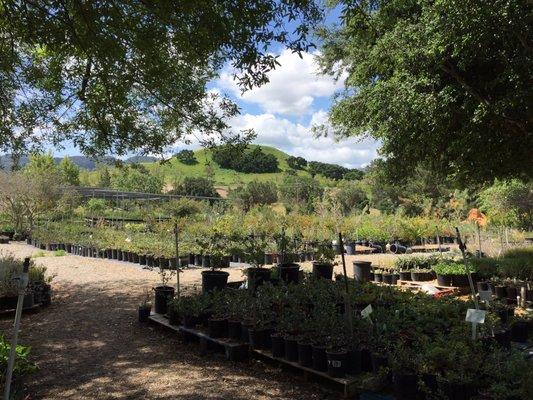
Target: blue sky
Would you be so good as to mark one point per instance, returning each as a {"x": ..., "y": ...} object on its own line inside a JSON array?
[{"x": 283, "y": 111}]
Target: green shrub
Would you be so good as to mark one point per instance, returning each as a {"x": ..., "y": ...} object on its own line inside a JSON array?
[
  {"x": 22, "y": 364},
  {"x": 449, "y": 268}
]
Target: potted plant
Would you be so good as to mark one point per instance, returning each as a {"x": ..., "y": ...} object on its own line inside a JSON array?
[
  {"x": 145, "y": 307},
  {"x": 289, "y": 270},
  {"x": 163, "y": 292},
  {"x": 362, "y": 270},
  {"x": 215, "y": 246},
  {"x": 253, "y": 250},
  {"x": 39, "y": 282},
  {"x": 325, "y": 257}
]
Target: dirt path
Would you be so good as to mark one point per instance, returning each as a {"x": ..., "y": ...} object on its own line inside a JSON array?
[{"x": 88, "y": 344}]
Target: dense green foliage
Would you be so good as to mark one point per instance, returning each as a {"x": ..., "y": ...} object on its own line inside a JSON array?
[
  {"x": 255, "y": 193},
  {"x": 136, "y": 178},
  {"x": 443, "y": 82},
  {"x": 508, "y": 203},
  {"x": 132, "y": 75},
  {"x": 299, "y": 191},
  {"x": 187, "y": 157},
  {"x": 191, "y": 186},
  {"x": 333, "y": 171},
  {"x": 297, "y": 163},
  {"x": 240, "y": 159}
]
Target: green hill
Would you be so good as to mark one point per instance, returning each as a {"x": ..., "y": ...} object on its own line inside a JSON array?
[{"x": 175, "y": 170}]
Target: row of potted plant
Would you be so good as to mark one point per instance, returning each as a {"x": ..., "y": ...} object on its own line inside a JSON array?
[
  {"x": 419, "y": 343},
  {"x": 38, "y": 290}
]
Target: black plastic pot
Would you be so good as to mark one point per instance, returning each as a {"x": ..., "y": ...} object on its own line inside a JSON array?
[
  {"x": 217, "y": 327},
  {"x": 444, "y": 280},
  {"x": 378, "y": 361},
  {"x": 144, "y": 313},
  {"x": 214, "y": 280},
  {"x": 460, "y": 280},
  {"x": 291, "y": 349},
  {"x": 397, "y": 248},
  {"x": 500, "y": 292},
  {"x": 482, "y": 286},
  {"x": 150, "y": 261},
  {"x": 421, "y": 276},
  {"x": 142, "y": 259},
  {"x": 245, "y": 335},
  {"x": 234, "y": 330},
  {"x": 162, "y": 295},
  {"x": 503, "y": 338},
  {"x": 269, "y": 259},
  {"x": 305, "y": 354},
  {"x": 378, "y": 277},
  {"x": 336, "y": 363},
  {"x": 190, "y": 321},
  {"x": 511, "y": 292},
  {"x": 257, "y": 338},
  {"x": 28, "y": 301},
  {"x": 395, "y": 278},
  {"x": 354, "y": 360},
  {"x": 289, "y": 272},
  {"x": 387, "y": 278},
  {"x": 256, "y": 277},
  {"x": 206, "y": 261},
  {"x": 519, "y": 331},
  {"x": 405, "y": 385},
  {"x": 322, "y": 270},
  {"x": 278, "y": 345},
  {"x": 366, "y": 360},
  {"x": 361, "y": 270},
  {"x": 350, "y": 248},
  {"x": 320, "y": 359},
  {"x": 405, "y": 275},
  {"x": 197, "y": 260}
]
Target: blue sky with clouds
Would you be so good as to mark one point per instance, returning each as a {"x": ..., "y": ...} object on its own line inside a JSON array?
[{"x": 283, "y": 111}]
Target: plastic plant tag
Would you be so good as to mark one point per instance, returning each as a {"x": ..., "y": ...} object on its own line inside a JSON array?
[
  {"x": 485, "y": 295},
  {"x": 475, "y": 316},
  {"x": 367, "y": 311}
]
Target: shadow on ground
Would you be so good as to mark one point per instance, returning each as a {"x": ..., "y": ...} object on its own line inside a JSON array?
[{"x": 89, "y": 345}]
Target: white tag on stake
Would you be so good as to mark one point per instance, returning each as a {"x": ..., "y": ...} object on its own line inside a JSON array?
[
  {"x": 367, "y": 311},
  {"x": 475, "y": 316}
]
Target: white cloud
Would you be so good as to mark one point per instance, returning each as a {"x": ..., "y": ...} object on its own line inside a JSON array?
[
  {"x": 298, "y": 140},
  {"x": 292, "y": 89}
]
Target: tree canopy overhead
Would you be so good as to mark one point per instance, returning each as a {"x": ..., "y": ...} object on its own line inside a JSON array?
[
  {"x": 132, "y": 75},
  {"x": 444, "y": 82}
]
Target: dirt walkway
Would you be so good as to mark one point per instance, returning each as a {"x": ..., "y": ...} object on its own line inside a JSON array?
[{"x": 88, "y": 344}]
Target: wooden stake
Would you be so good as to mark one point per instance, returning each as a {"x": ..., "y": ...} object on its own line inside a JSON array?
[
  {"x": 347, "y": 302},
  {"x": 178, "y": 261}
]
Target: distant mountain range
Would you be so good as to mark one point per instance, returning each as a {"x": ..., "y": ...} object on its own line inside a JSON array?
[{"x": 6, "y": 161}]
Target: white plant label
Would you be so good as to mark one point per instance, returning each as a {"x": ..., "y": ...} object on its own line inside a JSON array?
[
  {"x": 367, "y": 311},
  {"x": 475, "y": 316},
  {"x": 485, "y": 295}
]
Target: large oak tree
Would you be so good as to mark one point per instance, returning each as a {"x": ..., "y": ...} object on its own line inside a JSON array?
[{"x": 446, "y": 82}]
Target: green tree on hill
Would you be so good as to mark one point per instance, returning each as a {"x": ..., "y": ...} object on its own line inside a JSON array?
[
  {"x": 297, "y": 163},
  {"x": 69, "y": 171}
]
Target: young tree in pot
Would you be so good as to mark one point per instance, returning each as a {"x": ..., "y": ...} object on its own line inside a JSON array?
[
  {"x": 216, "y": 247},
  {"x": 191, "y": 307},
  {"x": 254, "y": 247},
  {"x": 288, "y": 249},
  {"x": 40, "y": 282},
  {"x": 324, "y": 261},
  {"x": 145, "y": 307},
  {"x": 163, "y": 292}
]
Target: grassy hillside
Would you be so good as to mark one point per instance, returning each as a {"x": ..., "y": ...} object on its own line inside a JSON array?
[
  {"x": 222, "y": 177},
  {"x": 227, "y": 178}
]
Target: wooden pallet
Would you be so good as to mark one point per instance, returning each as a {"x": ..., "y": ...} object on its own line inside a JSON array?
[
  {"x": 234, "y": 351},
  {"x": 443, "y": 290},
  {"x": 351, "y": 385}
]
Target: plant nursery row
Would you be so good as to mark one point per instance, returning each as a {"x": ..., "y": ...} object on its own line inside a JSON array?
[{"x": 412, "y": 344}]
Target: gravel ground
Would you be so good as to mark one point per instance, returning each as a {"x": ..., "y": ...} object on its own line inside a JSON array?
[{"x": 89, "y": 345}]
